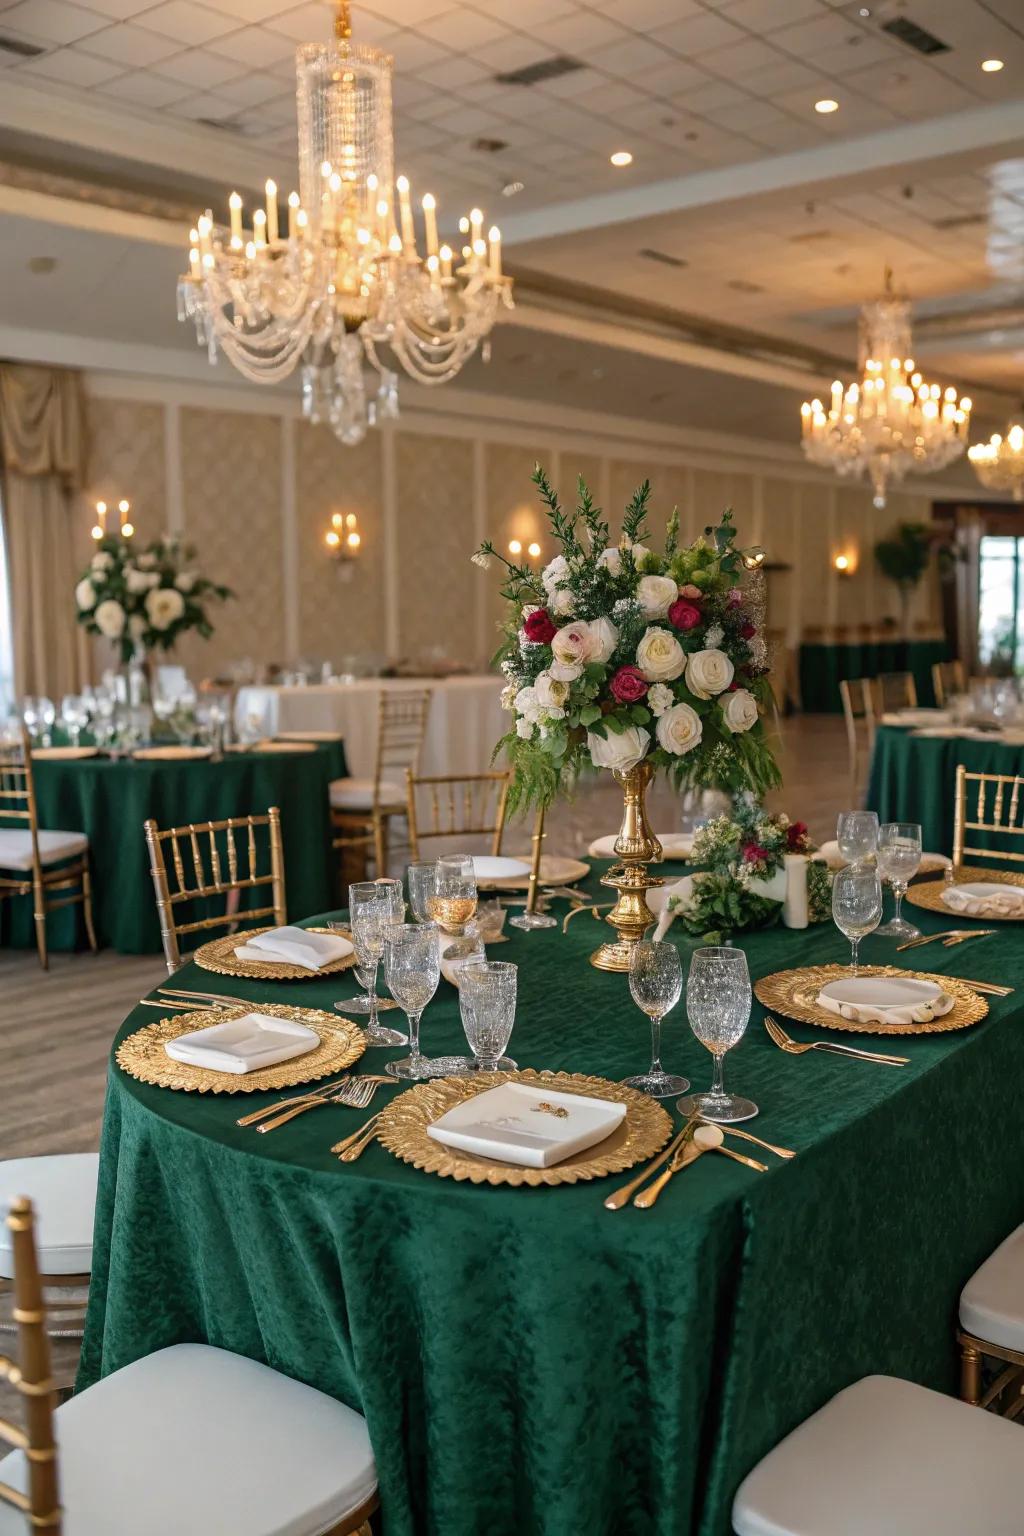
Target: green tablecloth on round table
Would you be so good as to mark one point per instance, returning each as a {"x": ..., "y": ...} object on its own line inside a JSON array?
[
  {"x": 823, "y": 668},
  {"x": 109, "y": 801},
  {"x": 913, "y": 778},
  {"x": 527, "y": 1361}
]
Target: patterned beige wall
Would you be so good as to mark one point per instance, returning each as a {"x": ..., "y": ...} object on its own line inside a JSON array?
[
  {"x": 231, "y": 485},
  {"x": 437, "y": 591},
  {"x": 126, "y": 458},
  {"x": 514, "y": 511}
]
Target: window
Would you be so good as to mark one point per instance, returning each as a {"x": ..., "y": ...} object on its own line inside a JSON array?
[{"x": 1001, "y": 602}]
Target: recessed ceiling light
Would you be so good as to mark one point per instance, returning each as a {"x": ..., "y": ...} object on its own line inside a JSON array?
[
  {"x": 992, "y": 66},
  {"x": 621, "y": 157},
  {"x": 825, "y": 105}
]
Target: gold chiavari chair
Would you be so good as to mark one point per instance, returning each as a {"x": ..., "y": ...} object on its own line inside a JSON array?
[
  {"x": 62, "y": 1188},
  {"x": 46, "y": 865},
  {"x": 459, "y": 805},
  {"x": 992, "y": 1327},
  {"x": 948, "y": 678},
  {"x": 1001, "y": 814},
  {"x": 361, "y": 809},
  {"x": 859, "y": 716},
  {"x": 175, "y": 1440},
  {"x": 207, "y": 862},
  {"x": 893, "y": 690}
]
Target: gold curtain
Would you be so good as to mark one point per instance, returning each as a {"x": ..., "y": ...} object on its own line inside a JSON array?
[{"x": 42, "y": 462}]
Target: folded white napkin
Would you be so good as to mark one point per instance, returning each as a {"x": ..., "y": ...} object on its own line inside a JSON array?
[
  {"x": 295, "y": 946},
  {"x": 247, "y": 1044},
  {"x": 1002, "y": 901},
  {"x": 912, "y": 1013}
]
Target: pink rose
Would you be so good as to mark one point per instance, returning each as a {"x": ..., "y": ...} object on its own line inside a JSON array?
[
  {"x": 747, "y": 630},
  {"x": 628, "y": 685},
  {"x": 539, "y": 627},
  {"x": 684, "y": 615},
  {"x": 735, "y": 597},
  {"x": 691, "y": 591}
]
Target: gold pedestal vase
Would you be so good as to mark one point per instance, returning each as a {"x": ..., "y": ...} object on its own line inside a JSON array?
[{"x": 636, "y": 846}]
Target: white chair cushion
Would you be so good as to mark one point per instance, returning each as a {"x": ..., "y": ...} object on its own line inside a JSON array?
[
  {"x": 63, "y": 1191},
  {"x": 194, "y": 1441},
  {"x": 357, "y": 794},
  {"x": 992, "y": 1302},
  {"x": 889, "y": 1458},
  {"x": 16, "y": 847}
]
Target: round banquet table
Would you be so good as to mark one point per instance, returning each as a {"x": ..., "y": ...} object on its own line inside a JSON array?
[
  {"x": 913, "y": 778},
  {"x": 109, "y": 799},
  {"x": 824, "y": 667},
  {"x": 527, "y": 1361}
]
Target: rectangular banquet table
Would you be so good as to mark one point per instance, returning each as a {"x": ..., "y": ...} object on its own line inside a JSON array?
[
  {"x": 913, "y": 778},
  {"x": 823, "y": 668},
  {"x": 527, "y": 1361},
  {"x": 464, "y": 723},
  {"x": 110, "y": 800}
]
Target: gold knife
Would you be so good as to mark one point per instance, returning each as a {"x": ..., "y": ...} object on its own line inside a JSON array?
[{"x": 620, "y": 1196}]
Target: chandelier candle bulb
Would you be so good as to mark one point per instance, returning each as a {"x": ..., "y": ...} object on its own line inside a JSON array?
[
  {"x": 100, "y": 526},
  {"x": 430, "y": 222},
  {"x": 259, "y": 228},
  {"x": 235, "y": 206},
  {"x": 405, "y": 214},
  {"x": 494, "y": 236},
  {"x": 271, "y": 191},
  {"x": 446, "y": 263},
  {"x": 476, "y": 225}
]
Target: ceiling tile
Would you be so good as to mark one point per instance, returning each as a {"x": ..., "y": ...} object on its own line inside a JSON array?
[
  {"x": 251, "y": 89},
  {"x": 51, "y": 21},
  {"x": 513, "y": 53},
  {"x": 186, "y": 22},
  {"x": 413, "y": 52},
  {"x": 809, "y": 37},
  {"x": 673, "y": 77},
  {"x": 146, "y": 90},
  {"x": 305, "y": 23},
  {"x": 70, "y": 68},
  {"x": 120, "y": 10},
  {"x": 768, "y": 15},
  {"x": 785, "y": 76},
  {"x": 642, "y": 15},
  {"x": 198, "y": 69},
  {"x": 462, "y": 30},
  {"x": 452, "y": 73},
  {"x": 250, "y": 11},
  {"x": 738, "y": 59},
  {"x": 256, "y": 48},
  {"x": 207, "y": 105},
  {"x": 580, "y": 33},
  {"x": 128, "y": 44},
  {"x": 527, "y": 12},
  {"x": 698, "y": 34},
  {"x": 407, "y": 13},
  {"x": 629, "y": 57}
]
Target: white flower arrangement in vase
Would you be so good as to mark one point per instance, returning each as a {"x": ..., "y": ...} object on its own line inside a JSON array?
[{"x": 145, "y": 598}]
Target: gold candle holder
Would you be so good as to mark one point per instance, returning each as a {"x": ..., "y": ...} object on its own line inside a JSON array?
[{"x": 636, "y": 847}]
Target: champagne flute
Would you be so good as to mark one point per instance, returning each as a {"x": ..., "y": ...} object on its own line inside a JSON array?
[
  {"x": 718, "y": 1000},
  {"x": 857, "y": 835},
  {"x": 856, "y": 904},
  {"x": 454, "y": 900},
  {"x": 899, "y": 858},
  {"x": 374, "y": 907},
  {"x": 487, "y": 1004},
  {"x": 74, "y": 716},
  {"x": 412, "y": 970},
  {"x": 422, "y": 888},
  {"x": 656, "y": 983}
]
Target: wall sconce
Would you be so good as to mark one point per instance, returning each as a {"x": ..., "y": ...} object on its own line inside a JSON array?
[
  {"x": 515, "y": 547},
  {"x": 844, "y": 565},
  {"x": 343, "y": 540},
  {"x": 126, "y": 526}
]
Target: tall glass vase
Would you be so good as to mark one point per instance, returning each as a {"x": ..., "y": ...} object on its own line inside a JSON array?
[{"x": 635, "y": 847}]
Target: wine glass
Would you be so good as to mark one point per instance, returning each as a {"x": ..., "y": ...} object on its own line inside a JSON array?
[
  {"x": 47, "y": 715},
  {"x": 487, "y": 1003},
  {"x": 374, "y": 907},
  {"x": 412, "y": 970},
  {"x": 422, "y": 887},
  {"x": 656, "y": 982},
  {"x": 856, "y": 904},
  {"x": 899, "y": 858},
  {"x": 718, "y": 1007},
  {"x": 30, "y": 713},
  {"x": 857, "y": 835},
  {"x": 454, "y": 900},
  {"x": 74, "y": 716}
]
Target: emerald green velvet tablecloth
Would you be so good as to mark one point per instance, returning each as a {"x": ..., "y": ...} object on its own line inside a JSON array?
[
  {"x": 110, "y": 800},
  {"x": 527, "y": 1361},
  {"x": 823, "y": 668},
  {"x": 913, "y": 778}
]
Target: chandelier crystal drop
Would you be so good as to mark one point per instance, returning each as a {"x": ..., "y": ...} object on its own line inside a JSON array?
[
  {"x": 342, "y": 292},
  {"x": 999, "y": 463},
  {"x": 892, "y": 422}
]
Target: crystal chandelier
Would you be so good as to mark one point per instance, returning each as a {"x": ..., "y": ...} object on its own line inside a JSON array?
[
  {"x": 892, "y": 422},
  {"x": 346, "y": 285},
  {"x": 999, "y": 463}
]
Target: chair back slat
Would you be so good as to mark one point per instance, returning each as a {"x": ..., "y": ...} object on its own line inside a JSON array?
[
  {"x": 992, "y": 814},
  {"x": 948, "y": 678},
  {"x": 858, "y": 715},
  {"x": 32, "y": 1378},
  {"x": 893, "y": 690},
  {"x": 401, "y": 728},
  {"x": 457, "y": 805}
]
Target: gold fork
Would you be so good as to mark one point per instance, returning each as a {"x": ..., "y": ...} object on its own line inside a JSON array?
[
  {"x": 169, "y": 1002},
  {"x": 309, "y": 1093},
  {"x": 948, "y": 935},
  {"x": 795, "y": 1048},
  {"x": 990, "y": 988},
  {"x": 355, "y": 1094}
]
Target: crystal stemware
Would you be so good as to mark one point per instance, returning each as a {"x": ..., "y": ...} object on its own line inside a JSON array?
[
  {"x": 74, "y": 716},
  {"x": 487, "y": 1003},
  {"x": 899, "y": 858},
  {"x": 30, "y": 713},
  {"x": 47, "y": 715},
  {"x": 856, "y": 904},
  {"x": 422, "y": 880},
  {"x": 857, "y": 835},
  {"x": 374, "y": 907},
  {"x": 656, "y": 983},
  {"x": 454, "y": 900},
  {"x": 412, "y": 970},
  {"x": 718, "y": 1000}
]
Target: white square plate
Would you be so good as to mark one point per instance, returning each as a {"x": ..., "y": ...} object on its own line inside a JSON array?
[
  {"x": 246, "y": 1044},
  {"x": 517, "y": 1123}
]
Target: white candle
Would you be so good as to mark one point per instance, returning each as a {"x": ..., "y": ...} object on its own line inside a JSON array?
[
  {"x": 794, "y": 906},
  {"x": 259, "y": 228},
  {"x": 405, "y": 213},
  {"x": 446, "y": 262},
  {"x": 430, "y": 220},
  {"x": 476, "y": 224},
  {"x": 271, "y": 190},
  {"x": 494, "y": 235},
  {"x": 235, "y": 205}
]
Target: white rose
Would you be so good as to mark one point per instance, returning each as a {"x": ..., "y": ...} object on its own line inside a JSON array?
[
  {"x": 185, "y": 581},
  {"x": 679, "y": 729},
  {"x": 110, "y": 619},
  {"x": 572, "y": 643},
  {"x": 566, "y": 671},
  {"x": 524, "y": 728},
  {"x": 136, "y": 581},
  {"x": 620, "y": 750},
  {"x": 611, "y": 558},
  {"x": 562, "y": 602},
  {"x": 85, "y": 595},
  {"x": 101, "y": 560},
  {"x": 164, "y": 606},
  {"x": 551, "y": 693},
  {"x": 604, "y": 637},
  {"x": 147, "y": 562},
  {"x": 638, "y": 551},
  {"x": 708, "y": 673},
  {"x": 656, "y": 594},
  {"x": 659, "y": 655},
  {"x": 136, "y": 626},
  {"x": 526, "y": 703},
  {"x": 552, "y": 574},
  {"x": 659, "y": 698},
  {"x": 739, "y": 710}
]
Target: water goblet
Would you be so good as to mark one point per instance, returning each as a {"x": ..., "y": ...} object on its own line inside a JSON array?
[
  {"x": 856, "y": 904},
  {"x": 487, "y": 1003},
  {"x": 857, "y": 835},
  {"x": 374, "y": 907},
  {"x": 47, "y": 715},
  {"x": 412, "y": 970},
  {"x": 74, "y": 716},
  {"x": 718, "y": 1000},
  {"x": 656, "y": 983},
  {"x": 30, "y": 713},
  {"x": 899, "y": 858},
  {"x": 454, "y": 900},
  {"x": 422, "y": 888}
]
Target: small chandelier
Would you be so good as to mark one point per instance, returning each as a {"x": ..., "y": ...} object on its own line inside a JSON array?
[
  {"x": 346, "y": 285},
  {"x": 999, "y": 463},
  {"x": 891, "y": 423}
]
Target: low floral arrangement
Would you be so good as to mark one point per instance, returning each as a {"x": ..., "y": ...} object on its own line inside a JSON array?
[
  {"x": 616, "y": 653},
  {"x": 741, "y": 884},
  {"x": 146, "y": 597}
]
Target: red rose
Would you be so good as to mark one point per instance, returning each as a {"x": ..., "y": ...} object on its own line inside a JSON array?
[
  {"x": 628, "y": 685},
  {"x": 796, "y": 834},
  {"x": 684, "y": 614},
  {"x": 747, "y": 630},
  {"x": 753, "y": 853},
  {"x": 539, "y": 627}
]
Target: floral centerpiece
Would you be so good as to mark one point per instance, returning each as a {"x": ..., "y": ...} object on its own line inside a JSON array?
[{"x": 145, "y": 598}]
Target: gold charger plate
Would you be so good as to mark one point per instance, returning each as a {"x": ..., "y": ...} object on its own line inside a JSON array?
[
  {"x": 403, "y": 1130},
  {"x": 63, "y": 754},
  {"x": 142, "y": 1054},
  {"x": 171, "y": 754},
  {"x": 285, "y": 746},
  {"x": 219, "y": 955},
  {"x": 928, "y": 893},
  {"x": 555, "y": 869},
  {"x": 795, "y": 994}
]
